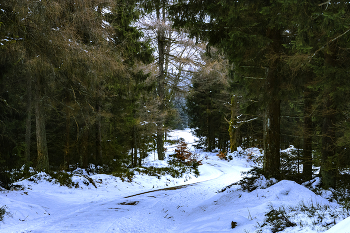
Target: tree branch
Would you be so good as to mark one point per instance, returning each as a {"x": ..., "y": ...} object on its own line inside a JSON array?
[
  {"x": 328, "y": 2},
  {"x": 336, "y": 38}
]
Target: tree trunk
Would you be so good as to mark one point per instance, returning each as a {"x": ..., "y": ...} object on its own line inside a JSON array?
[
  {"x": 272, "y": 140},
  {"x": 307, "y": 138},
  {"x": 328, "y": 161},
  {"x": 66, "y": 160},
  {"x": 134, "y": 135},
  {"x": 233, "y": 126},
  {"x": 28, "y": 121},
  {"x": 43, "y": 157},
  {"x": 84, "y": 155},
  {"x": 161, "y": 85},
  {"x": 272, "y": 121},
  {"x": 98, "y": 138},
  {"x": 272, "y": 127}
]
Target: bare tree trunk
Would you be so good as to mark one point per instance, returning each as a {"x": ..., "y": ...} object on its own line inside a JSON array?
[
  {"x": 328, "y": 163},
  {"x": 135, "y": 147},
  {"x": 272, "y": 140},
  {"x": 43, "y": 157},
  {"x": 307, "y": 138},
  {"x": 66, "y": 160},
  {"x": 29, "y": 120},
  {"x": 233, "y": 126},
  {"x": 272, "y": 127},
  {"x": 272, "y": 121},
  {"x": 84, "y": 155},
  {"x": 142, "y": 154},
  {"x": 98, "y": 134},
  {"x": 161, "y": 84}
]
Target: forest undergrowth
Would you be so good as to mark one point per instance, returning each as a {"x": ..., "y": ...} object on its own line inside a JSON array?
[{"x": 312, "y": 215}]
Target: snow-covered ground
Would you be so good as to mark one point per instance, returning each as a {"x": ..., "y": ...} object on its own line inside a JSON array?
[{"x": 143, "y": 205}]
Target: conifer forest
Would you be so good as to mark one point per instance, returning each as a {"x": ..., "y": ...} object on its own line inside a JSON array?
[{"x": 98, "y": 84}]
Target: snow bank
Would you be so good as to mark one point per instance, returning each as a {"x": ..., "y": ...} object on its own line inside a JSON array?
[{"x": 341, "y": 227}]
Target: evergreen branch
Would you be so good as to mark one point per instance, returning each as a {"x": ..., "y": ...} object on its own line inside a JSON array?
[{"x": 336, "y": 38}]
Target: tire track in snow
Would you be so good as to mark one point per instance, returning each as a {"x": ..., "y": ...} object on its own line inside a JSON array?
[{"x": 180, "y": 186}]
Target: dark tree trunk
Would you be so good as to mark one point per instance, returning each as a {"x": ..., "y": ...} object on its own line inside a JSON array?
[
  {"x": 85, "y": 154},
  {"x": 272, "y": 140},
  {"x": 66, "y": 160},
  {"x": 272, "y": 120},
  {"x": 211, "y": 138},
  {"x": 134, "y": 135},
  {"x": 328, "y": 163},
  {"x": 233, "y": 129},
  {"x": 98, "y": 138},
  {"x": 160, "y": 143},
  {"x": 328, "y": 160},
  {"x": 28, "y": 121},
  {"x": 43, "y": 157},
  {"x": 161, "y": 84},
  {"x": 307, "y": 138}
]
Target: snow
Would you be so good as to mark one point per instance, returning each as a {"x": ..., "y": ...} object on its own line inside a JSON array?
[
  {"x": 104, "y": 203},
  {"x": 342, "y": 227}
]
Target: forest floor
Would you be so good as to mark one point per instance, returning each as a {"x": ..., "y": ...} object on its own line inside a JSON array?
[{"x": 104, "y": 203}]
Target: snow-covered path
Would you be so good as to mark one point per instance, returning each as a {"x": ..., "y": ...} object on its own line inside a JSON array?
[{"x": 157, "y": 211}]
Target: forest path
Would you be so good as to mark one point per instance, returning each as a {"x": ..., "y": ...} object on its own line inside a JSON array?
[{"x": 162, "y": 210}]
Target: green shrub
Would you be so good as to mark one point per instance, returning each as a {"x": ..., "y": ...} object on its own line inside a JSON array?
[
  {"x": 2, "y": 212},
  {"x": 311, "y": 215},
  {"x": 277, "y": 219},
  {"x": 63, "y": 178},
  {"x": 290, "y": 165},
  {"x": 176, "y": 170},
  {"x": 124, "y": 173}
]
